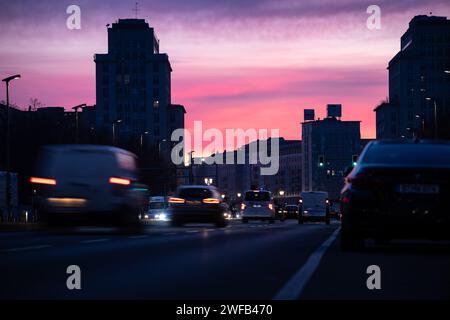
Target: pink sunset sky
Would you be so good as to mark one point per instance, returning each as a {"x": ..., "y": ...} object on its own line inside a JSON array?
[{"x": 236, "y": 64}]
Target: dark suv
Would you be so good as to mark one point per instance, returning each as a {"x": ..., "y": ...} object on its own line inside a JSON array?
[{"x": 398, "y": 189}]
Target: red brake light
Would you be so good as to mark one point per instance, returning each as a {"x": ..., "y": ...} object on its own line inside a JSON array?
[
  {"x": 46, "y": 181},
  {"x": 211, "y": 200},
  {"x": 176, "y": 200},
  {"x": 121, "y": 181}
]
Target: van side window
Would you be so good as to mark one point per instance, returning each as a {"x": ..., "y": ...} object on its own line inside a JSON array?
[{"x": 126, "y": 162}]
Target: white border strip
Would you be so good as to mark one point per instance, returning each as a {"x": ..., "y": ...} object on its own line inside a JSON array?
[{"x": 294, "y": 287}]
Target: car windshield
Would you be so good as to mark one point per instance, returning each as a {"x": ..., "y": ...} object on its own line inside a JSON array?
[
  {"x": 157, "y": 205},
  {"x": 198, "y": 193},
  {"x": 257, "y": 196},
  {"x": 408, "y": 154},
  {"x": 79, "y": 164}
]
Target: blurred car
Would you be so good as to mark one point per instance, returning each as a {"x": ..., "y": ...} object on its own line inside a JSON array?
[
  {"x": 197, "y": 203},
  {"x": 87, "y": 184},
  {"x": 291, "y": 211},
  {"x": 314, "y": 206},
  {"x": 280, "y": 213},
  {"x": 398, "y": 189},
  {"x": 335, "y": 207},
  {"x": 258, "y": 205},
  {"x": 158, "y": 209}
]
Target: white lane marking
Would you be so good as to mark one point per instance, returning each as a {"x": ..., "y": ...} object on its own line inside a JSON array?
[
  {"x": 27, "y": 248},
  {"x": 94, "y": 240},
  {"x": 138, "y": 237},
  {"x": 294, "y": 287}
]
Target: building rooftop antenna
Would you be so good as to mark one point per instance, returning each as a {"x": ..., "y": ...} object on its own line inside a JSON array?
[{"x": 136, "y": 9}]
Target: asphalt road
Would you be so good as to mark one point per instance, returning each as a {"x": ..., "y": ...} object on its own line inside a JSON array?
[{"x": 254, "y": 261}]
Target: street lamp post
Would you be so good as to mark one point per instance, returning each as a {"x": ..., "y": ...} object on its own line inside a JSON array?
[
  {"x": 76, "y": 108},
  {"x": 8, "y": 145},
  {"x": 142, "y": 142},
  {"x": 422, "y": 120},
  {"x": 159, "y": 147},
  {"x": 114, "y": 130},
  {"x": 435, "y": 117}
]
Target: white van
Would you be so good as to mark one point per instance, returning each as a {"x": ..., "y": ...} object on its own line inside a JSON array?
[
  {"x": 158, "y": 208},
  {"x": 258, "y": 205},
  {"x": 87, "y": 184},
  {"x": 314, "y": 206}
]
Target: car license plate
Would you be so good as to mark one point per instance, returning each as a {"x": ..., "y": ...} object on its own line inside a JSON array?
[
  {"x": 193, "y": 202},
  {"x": 256, "y": 206},
  {"x": 418, "y": 188}
]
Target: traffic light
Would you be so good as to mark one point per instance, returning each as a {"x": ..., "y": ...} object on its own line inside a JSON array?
[
  {"x": 321, "y": 161},
  {"x": 354, "y": 159}
]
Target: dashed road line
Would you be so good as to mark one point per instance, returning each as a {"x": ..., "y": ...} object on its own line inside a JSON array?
[{"x": 294, "y": 287}]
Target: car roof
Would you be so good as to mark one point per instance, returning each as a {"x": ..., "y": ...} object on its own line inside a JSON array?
[{"x": 410, "y": 142}]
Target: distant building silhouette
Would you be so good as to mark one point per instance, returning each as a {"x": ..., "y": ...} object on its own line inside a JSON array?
[
  {"x": 329, "y": 146},
  {"x": 133, "y": 85},
  {"x": 418, "y": 82}
]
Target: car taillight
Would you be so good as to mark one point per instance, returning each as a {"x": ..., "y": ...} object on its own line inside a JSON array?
[
  {"x": 243, "y": 206},
  {"x": 361, "y": 181},
  {"x": 176, "y": 200},
  {"x": 121, "y": 181},
  {"x": 211, "y": 200},
  {"x": 270, "y": 206},
  {"x": 51, "y": 182}
]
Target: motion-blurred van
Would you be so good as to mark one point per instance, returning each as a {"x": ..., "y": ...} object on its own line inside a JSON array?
[{"x": 87, "y": 184}]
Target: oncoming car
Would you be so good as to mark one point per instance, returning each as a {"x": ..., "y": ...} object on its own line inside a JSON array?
[{"x": 158, "y": 209}]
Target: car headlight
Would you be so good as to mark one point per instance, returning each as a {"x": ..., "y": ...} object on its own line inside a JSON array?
[
  {"x": 162, "y": 216},
  {"x": 146, "y": 216}
]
